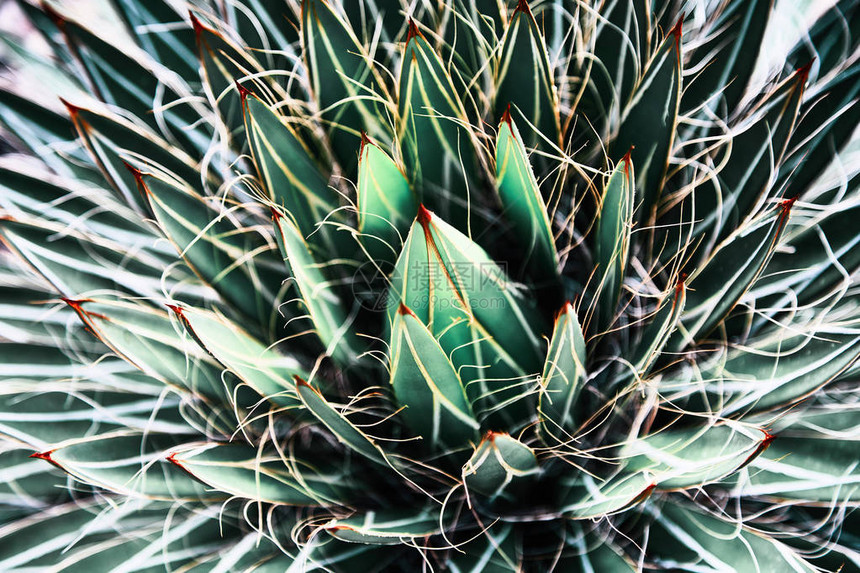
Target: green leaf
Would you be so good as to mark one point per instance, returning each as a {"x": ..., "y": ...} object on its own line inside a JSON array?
[
  {"x": 745, "y": 177},
  {"x": 436, "y": 147},
  {"x": 820, "y": 469},
  {"x": 775, "y": 369},
  {"x": 590, "y": 555},
  {"x": 261, "y": 368},
  {"x": 649, "y": 119},
  {"x": 386, "y": 203},
  {"x": 587, "y": 497},
  {"x": 563, "y": 376},
  {"x": 113, "y": 142},
  {"x": 496, "y": 550},
  {"x": 500, "y": 466},
  {"x": 349, "y": 92},
  {"x": 289, "y": 173},
  {"x": 471, "y": 306},
  {"x": 662, "y": 324},
  {"x": 687, "y": 540},
  {"x": 131, "y": 465},
  {"x": 251, "y": 474},
  {"x": 524, "y": 80},
  {"x": 830, "y": 40},
  {"x": 717, "y": 286},
  {"x": 124, "y": 79},
  {"x": 76, "y": 264},
  {"x": 163, "y": 34},
  {"x": 522, "y": 203},
  {"x": 147, "y": 339},
  {"x": 426, "y": 382},
  {"x": 324, "y": 306},
  {"x": 680, "y": 459},
  {"x": 392, "y": 527},
  {"x": 345, "y": 431},
  {"x": 729, "y": 56},
  {"x": 238, "y": 263},
  {"x": 612, "y": 241}
]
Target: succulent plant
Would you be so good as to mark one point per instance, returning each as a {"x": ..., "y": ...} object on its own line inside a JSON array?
[{"x": 470, "y": 285}]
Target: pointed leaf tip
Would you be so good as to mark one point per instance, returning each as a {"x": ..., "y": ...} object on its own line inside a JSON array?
[
  {"x": 196, "y": 24},
  {"x": 522, "y": 6},
  {"x": 43, "y": 456},
  {"x": 424, "y": 215},
  {"x": 803, "y": 71},
  {"x": 405, "y": 310},
  {"x": 73, "y": 109},
  {"x": 677, "y": 31},
  {"x": 301, "y": 381},
  {"x": 243, "y": 91},
  {"x": 506, "y": 117},
  {"x": 413, "y": 30}
]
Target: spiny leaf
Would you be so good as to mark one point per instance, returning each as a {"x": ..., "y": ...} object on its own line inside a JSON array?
[
  {"x": 348, "y": 91},
  {"x": 648, "y": 121},
  {"x": 563, "y": 376},
  {"x": 612, "y": 241},
  {"x": 717, "y": 286},
  {"x": 386, "y": 203},
  {"x": 326, "y": 312},
  {"x": 524, "y": 80},
  {"x": 436, "y": 147},
  {"x": 659, "y": 330},
  {"x": 243, "y": 472},
  {"x": 391, "y": 527},
  {"x": 426, "y": 383},
  {"x": 500, "y": 466},
  {"x": 523, "y": 204}
]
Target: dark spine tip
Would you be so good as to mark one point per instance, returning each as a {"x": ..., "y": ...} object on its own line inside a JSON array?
[
  {"x": 196, "y": 24},
  {"x": 177, "y": 310},
  {"x": 522, "y": 6},
  {"x": 424, "y": 216},
  {"x": 75, "y": 304},
  {"x": 787, "y": 205},
  {"x": 768, "y": 439},
  {"x": 275, "y": 215},
  {"x": 301, "y": 381},
  {"x": 72, "y": 108},
  {"x": 243, "y": 91},
  {"x": 404, "y": 310},
  {"x": 172, "y": 459},
  {"x": 506, "y": 117},
  {"x": 413, "y": 30},
  {"x": 677, "y": 31},
  {"x": 566, "y": 308},
  {"x": 43, "y": 456},
  {"x": 679, "y": 285},
  {"x": 53, "y": 15},
  {"x": 365, "y": 140},
  {"x": 138, "y": 174},
  {"x": 646, "y": 493},
  {"x": 627, "y": 161},
  {"x": 802, "y": 72}
]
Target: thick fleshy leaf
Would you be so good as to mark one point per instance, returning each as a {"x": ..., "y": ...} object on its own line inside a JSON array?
[
  {"x": 114, "y": 142},
  {"x": 391, "y": 527},
  {"x": 325, "y": 309},
  {"x": 745, "y": 177},
  {"x": 500, "y": 466},
  {"x": 585, "y": 497},
  {"x": 76, "y": 264},
  {"x": 132, "y": 465},
  {"x": 687, "y": 540},
  {"x": 386, "y": 203},
  {"x": 267, "y": 372},
  {"x": 772, "y": 370},
  {"x": 523, "y": 204},
  {"x": 292, "y": 178},
  {"x": 345, "y": 431},
  {"x": 660, "y": 328},
  {"x": 563, "y": 376},
  {"x": 830, "y": 40},
  {"x": 648, "y": 122},
  {"x": 243, "y": 472},
  {"x": 162, "y": 32},
  {"x": 124, "y": 78},
  {"x": 524, "y": 80},
  {"x": 236, "y": 262},
  {"x": 470, "y": 306},
  {"x": 436, "y": 147},
  {"x": 717, "y": 286},
  {"x": 681, "y": 459},
  {"x": 146, "y": 338},
  {"x": 612, "y": 242},
  {"x": 729, "y": 57},
  {"x": 427, "y": 384},
  {"x": 348, "y": 91}
]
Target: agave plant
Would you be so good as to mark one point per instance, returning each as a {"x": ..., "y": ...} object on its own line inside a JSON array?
[{"x": 473, "y": 285}]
